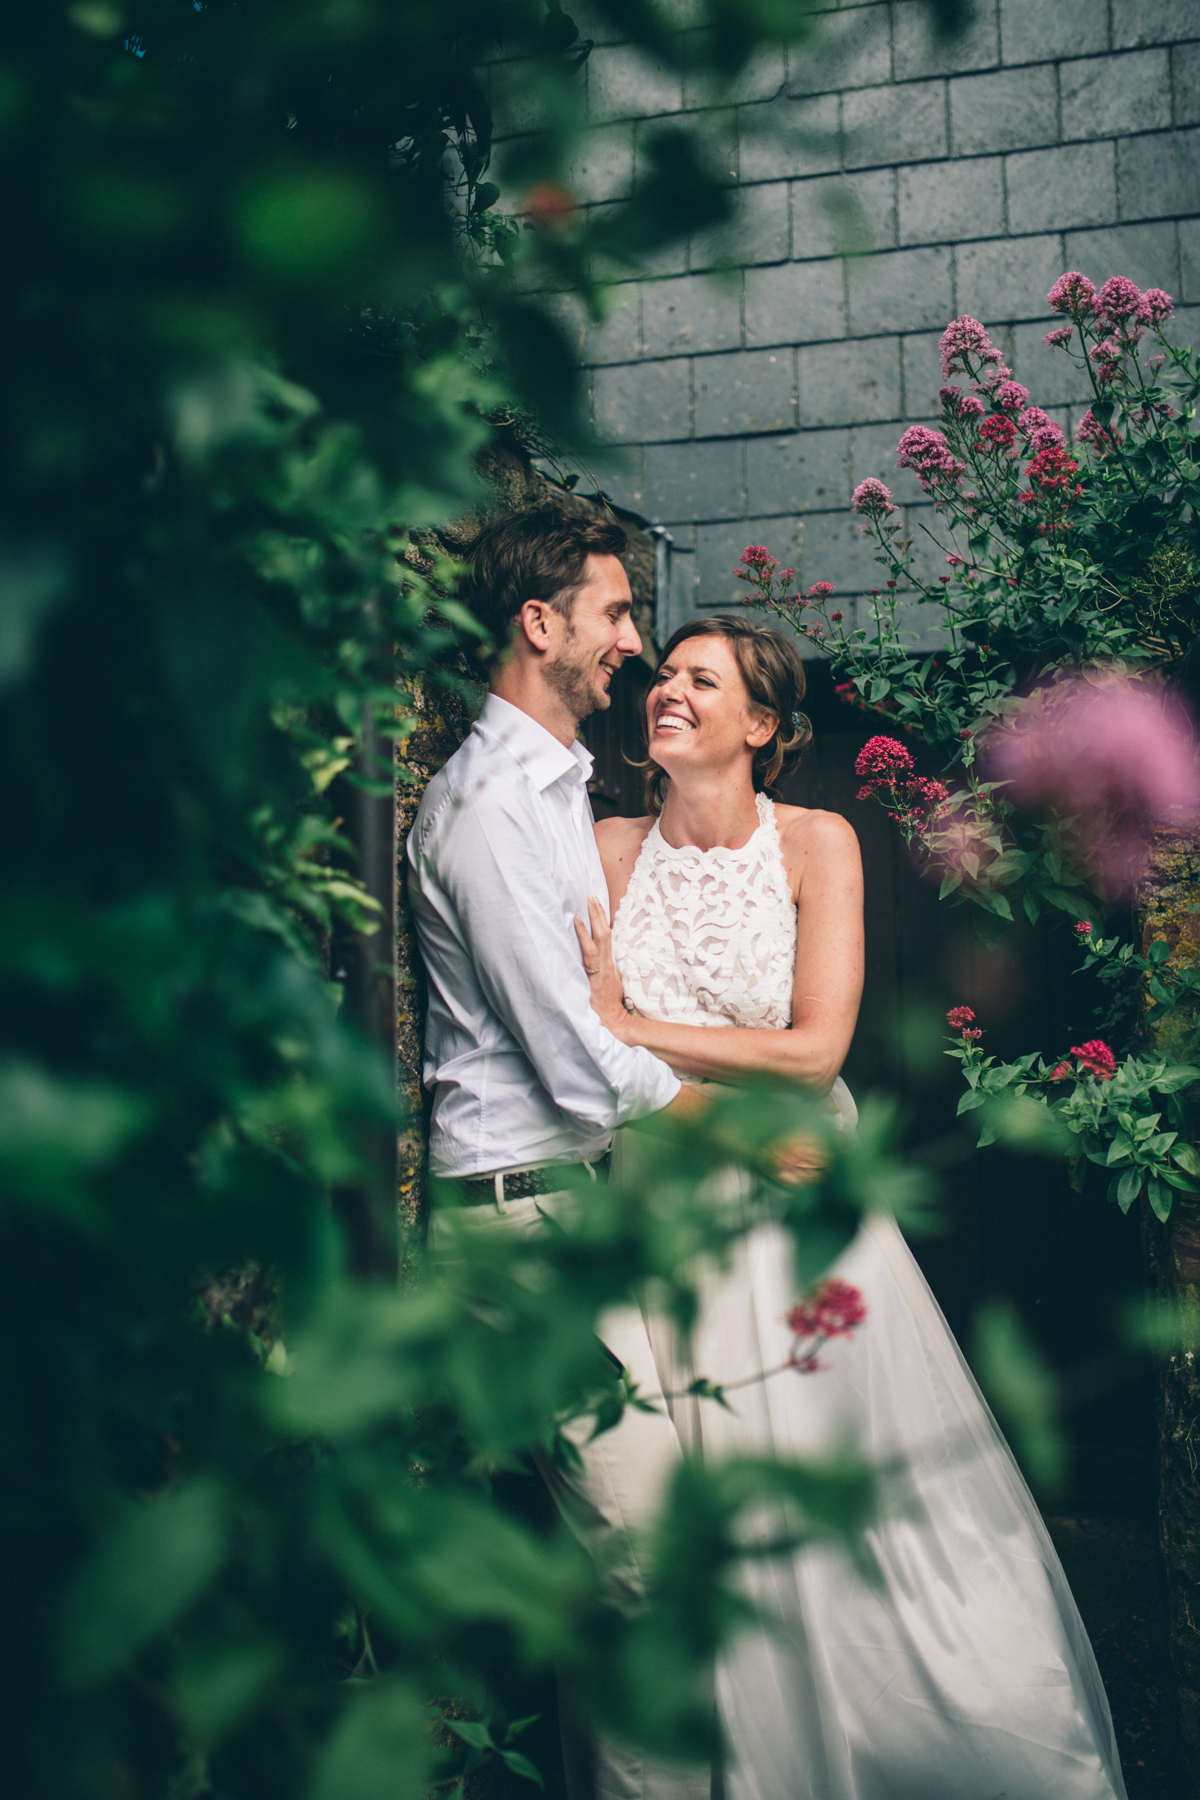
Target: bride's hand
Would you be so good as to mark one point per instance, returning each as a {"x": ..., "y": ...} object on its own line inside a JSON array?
[{"x": 608, "y": 996}]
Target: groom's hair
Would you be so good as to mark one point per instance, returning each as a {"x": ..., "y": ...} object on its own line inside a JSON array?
[{"x": 535, "y": 555}]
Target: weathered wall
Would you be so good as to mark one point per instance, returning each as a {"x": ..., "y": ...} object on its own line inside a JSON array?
[{"x": 1055, "y": 134}]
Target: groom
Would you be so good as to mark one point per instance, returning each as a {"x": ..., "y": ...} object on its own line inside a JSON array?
[{"x": 526, "y": 1080}]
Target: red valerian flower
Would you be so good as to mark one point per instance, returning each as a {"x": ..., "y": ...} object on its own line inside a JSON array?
[
  {"x": 883, "y": 756},
  {"x": 1060, "y": 337},
  {"x": 1121, "y": 301},
  {"x": 998, "y": 431},
  {"x": 757, "y": 556},
  {"x": 929, "y": 456},
  {"x": 959, "y": 1017},
  {"x": 872, "y": 498},
  {"x": 819, "y": 592},
  {"x": 1096, "y": 1058},
  {"x": 965, "y": 337},
  {"x": 1084, "y": 928},
  {"x": 1062, "y": 1073},
  {"x": 1010, "y": 395},
  {"x": 835, "y": 1309},
  {"x": 835, "y": 618},
  {"x": 1114, "y": 753},
  {"x": 1159, "y": 305},
  {"x": 1100, "y": 437},
  {"x": 1072, "y": 293},
  {"x": 548, "y": 205}
]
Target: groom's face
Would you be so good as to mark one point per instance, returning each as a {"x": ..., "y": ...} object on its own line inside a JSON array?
[{"x": 591, "y": 644}]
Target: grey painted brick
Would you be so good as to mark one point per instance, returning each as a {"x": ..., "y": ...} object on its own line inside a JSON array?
[
  {"x": 795, "y": 303},
  {"x": 751, "y": 390},
  {"x": 694, "y": 481},
  {"x": 643, "y": 403},
  {"x": 718, "y": 548},
  {"x": 1039, "y": 30},
  {"x": 667, "y": 259},
  {"x": 757, "y": 233},
  {"x": 800, "y": 473},
  {"x": 620, "y": 474},
  {"x": 761, "y": 79},
  {"x": 1014, "y": 109},
  {"x": 1154, "y": 22},
  {"x": 692, "y": 312},
  {"x": 834, "y": 549},
  {"x": 895, "y": 124},
  {"x": 940, "y": 203},
  {"x": 899, "y": 290},
  {"x": 1189, "y": 256},
  {"x": 626, "y": 82},
  {"x": 716, "y": 141},
  {"x": 1146, "y": 253},
  {"x": 1185, "y": 81},
  {"x": 917, "y": 50},
  {"x": 789, "y": 137},
  {"x": 594, "y": 24},
  {"x": 602, "y": 166},
  {"x": 1007, "y": 279},
  {"x": 920, "y": 361},
  {"x": 1159, "y": 175},
  {"x": 873, "y": 452},
  {"x": 841, "y": 384},
  {"x": 1184, "y": 328},
  {"x": 853, "y": 50},
  {"x": 1050, "y": 375},
  {"x": 617, "y": 340},
  {"x": 1104, "y": 96},
  {"x": 831, "y": 213},
  {"x": 1055, "y": 189}
]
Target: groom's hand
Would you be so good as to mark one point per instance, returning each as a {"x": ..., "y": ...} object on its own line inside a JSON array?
[{"x": 604, "y": 979}]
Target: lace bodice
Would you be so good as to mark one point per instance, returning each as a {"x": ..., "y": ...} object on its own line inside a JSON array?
[{"x": 708, "y": 937}]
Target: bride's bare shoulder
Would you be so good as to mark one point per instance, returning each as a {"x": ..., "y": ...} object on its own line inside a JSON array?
[{"x": 806, "y": 832}]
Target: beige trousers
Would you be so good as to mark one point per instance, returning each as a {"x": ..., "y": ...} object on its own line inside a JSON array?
[{"x": 608, "y": 1503}]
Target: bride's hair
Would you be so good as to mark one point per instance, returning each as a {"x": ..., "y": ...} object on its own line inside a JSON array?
[{"x": 774, "y": 677}]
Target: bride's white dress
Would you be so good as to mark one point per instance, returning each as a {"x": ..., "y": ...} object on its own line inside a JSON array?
[{"x": 968, "y": 1675}]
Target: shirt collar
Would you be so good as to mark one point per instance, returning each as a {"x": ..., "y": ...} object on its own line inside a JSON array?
[{"x": 541, "y": 756}]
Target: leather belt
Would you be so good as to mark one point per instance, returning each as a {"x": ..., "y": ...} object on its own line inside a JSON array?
[{"x": 523, "y": 1184}]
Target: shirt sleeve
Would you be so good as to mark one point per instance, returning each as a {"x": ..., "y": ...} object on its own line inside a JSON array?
[{"x": 492, "y": 868}]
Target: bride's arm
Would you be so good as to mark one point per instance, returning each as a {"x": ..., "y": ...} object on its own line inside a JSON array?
[{"x": 823, "y": 850}]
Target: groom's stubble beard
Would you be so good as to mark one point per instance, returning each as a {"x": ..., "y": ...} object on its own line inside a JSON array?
[{"x": 568, "y": 676}]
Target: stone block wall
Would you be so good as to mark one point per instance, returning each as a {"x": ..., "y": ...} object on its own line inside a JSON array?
[{"x": 760, "y": 372}]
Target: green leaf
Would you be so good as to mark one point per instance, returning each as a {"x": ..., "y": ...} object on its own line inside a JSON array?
[
  {"x": 149, "y": 1569},
  {"x": 1187, "y": 1157},
  {"x": 1160, "y": 1198},
  {"x": 521, "y": 1765},
  {"x": 1128, "y": 1188},
  {"x": 381, "y": 1749},
  {"x": 473, "y": 1732}
]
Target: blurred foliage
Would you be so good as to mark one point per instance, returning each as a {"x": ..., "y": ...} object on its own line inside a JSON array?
[{"x": 264, "y": 301}]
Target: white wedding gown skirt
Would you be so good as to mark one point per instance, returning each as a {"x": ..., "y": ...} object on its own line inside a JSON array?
[{"x": 968, "y": 1674}]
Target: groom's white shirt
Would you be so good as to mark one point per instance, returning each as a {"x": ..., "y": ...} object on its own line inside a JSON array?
[{"x": 501, "y": 858}]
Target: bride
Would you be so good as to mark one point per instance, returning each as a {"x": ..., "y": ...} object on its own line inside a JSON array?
[{"x": 736, "y": 950}]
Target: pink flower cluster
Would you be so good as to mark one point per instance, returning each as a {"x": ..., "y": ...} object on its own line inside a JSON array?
[
  {"x": 965, "y": 341},
  {"x": 885, "y": 766},
  {"x": 1096, "y": 1058},
  {"x": 961, "y": 1019},
  {"x": 929, "y": 456},
  {"x": 835, "y": 1309},
  {"x": 883, "y": 758},
  {"x": 1114, "y": 754},
  {"x": 1120, "y": 304},
  {"x": 998, "y": 433},
  {"x": 1084, "y": 928},
  {"x": 1091, "y": 431},
  {"x": 872, "y": 498},
  {"x": 1010, "y": 396}
]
